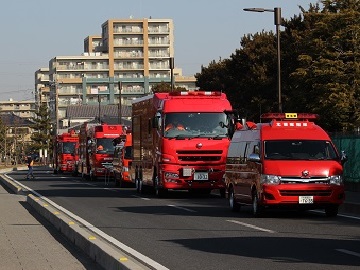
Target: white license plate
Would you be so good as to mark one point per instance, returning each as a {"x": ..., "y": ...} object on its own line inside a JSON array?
[
  {"x": 306, "y": 199},
  {"x": 201, "y": 176}
]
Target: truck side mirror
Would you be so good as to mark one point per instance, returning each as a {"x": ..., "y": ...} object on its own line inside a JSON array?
[
  {"x": 254, "y": 157},
  {"x": 156, "y": 121}
]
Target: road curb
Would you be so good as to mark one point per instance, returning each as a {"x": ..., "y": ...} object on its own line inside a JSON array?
[{"x": 93, "y": 245}]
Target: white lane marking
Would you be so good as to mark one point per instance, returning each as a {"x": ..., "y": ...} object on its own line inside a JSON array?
[
  {"x": 250, "y": 226},
  {"x": 182, "y": 208},
  {"x": 92, "y": 228},
  {"x": 349, "y": 252},
  {"x": 111, "y": 189},
  {"x": 143, "y": 198}
]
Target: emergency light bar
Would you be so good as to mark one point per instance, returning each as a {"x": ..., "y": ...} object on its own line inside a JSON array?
[
  {"x": 195, "y": 93},
  {"x": 289, "y": 116}
]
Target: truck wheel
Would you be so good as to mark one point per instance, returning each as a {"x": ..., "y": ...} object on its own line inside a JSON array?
[
  {"x": 234, "y": 206},
  {"x": 116, "y": 180},
  {"x": 121, "y": 181},
  {"x": 92, "y": 176},
  {"x": 160, "y": 192},
  {"x": 139, "y": 186},
  {"x": 256, "y": 208},
  {"x": 222, "y": 192},
  {"x": 332, "y": 211}
]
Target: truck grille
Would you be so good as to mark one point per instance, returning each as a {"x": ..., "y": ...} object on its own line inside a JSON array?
[{"x": 200, "y": 155}]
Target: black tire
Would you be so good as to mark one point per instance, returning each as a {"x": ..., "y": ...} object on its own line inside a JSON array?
[
  {"x": 256, "y": 208},
  {"x": 234, "y": 206},
  {"x": 117, "y": 184},
  {"x": 222, "y": 192},
  {"x": 92, "y": 177},
  {"x": 332, "y": 211},
  {"x": 159, "y": 191},
  {"x": 137, "y": 185},
  {"x": 121, "y": 181}
]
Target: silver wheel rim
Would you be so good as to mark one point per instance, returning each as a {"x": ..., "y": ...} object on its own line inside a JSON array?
[
  {"x": 231, "y": 199},
  {"x": 255, "y": 204}
]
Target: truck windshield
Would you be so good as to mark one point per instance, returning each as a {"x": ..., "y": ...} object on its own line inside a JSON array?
[
  {"x": 68, "y": 147},
  {"x": 105, "y": 146},
  {"x": 193, "y": 125},
  {"x": 299, "y": 150}
]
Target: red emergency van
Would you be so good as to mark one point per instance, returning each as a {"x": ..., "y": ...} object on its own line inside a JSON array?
[{"x": 289, "y": 161}]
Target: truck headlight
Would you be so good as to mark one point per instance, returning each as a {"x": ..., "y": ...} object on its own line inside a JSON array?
[
  {"x": 270, "y": 179},
  {"x": 335, "y": 180}
]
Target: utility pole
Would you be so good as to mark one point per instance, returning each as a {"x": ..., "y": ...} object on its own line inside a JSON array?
[
  {"x": 120, "y": 107},
  {"x": 99, "y": 100}
]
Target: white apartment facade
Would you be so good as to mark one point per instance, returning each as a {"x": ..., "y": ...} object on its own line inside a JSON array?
[{"x": 133, "y": 54}]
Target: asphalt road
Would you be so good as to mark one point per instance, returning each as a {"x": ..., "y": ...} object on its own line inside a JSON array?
[{"x": 186, "y": 231}]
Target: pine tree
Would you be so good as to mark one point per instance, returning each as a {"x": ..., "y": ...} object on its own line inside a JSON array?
[{"x": 41, "y": 138}]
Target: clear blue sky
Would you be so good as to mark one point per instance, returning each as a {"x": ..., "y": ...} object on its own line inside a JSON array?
[{"x": 33, "y": 32}]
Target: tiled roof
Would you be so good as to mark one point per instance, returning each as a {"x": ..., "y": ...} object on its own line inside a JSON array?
[
  {"x": 84, "y": 111},
  {"x": 12, "y": 120}
]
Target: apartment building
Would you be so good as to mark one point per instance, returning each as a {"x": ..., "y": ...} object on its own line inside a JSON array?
[
  {"x": 16, "y": 116},
  {"x": 131, "y": 55},
  {"x": 24, "y": 109},
  {"x": 42, "y": 89}
]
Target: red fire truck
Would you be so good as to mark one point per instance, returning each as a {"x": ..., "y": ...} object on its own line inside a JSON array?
[
  {"x": 287, "y": 161},
  {"x": 66, "y": 153},
  {"x": 97, "y": 149},
  {"x": 122, "y": 159},
  {"x": 191, "y": 157}
]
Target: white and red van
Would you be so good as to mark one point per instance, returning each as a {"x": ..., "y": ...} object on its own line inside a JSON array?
[{"x": 289, "y": 161}]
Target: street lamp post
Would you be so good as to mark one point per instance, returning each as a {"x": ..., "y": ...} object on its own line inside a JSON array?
[
  {"x": 277, "y": 21},
  {"x": 172, "y": 73}
]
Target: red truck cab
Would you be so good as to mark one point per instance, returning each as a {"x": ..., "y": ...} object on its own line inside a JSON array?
[
  {"x": 288, "y": 162},
  {"x": 122, "y": 160},
  {"x": 66, "y": 152},
  {"x": 191, "y": 157},
  {"x": 97, "y": 149}
]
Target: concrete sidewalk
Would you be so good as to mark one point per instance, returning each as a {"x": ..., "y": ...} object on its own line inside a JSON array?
[{"x": 29, "y": 241}]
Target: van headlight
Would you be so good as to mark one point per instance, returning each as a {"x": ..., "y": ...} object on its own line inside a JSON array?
[
  {"x": 335, "y": 180},
  {"x": 270, "y": 179}
]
